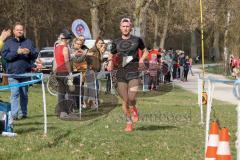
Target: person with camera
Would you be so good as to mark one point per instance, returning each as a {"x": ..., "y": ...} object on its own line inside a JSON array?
[{"x": 79, "y": 64}]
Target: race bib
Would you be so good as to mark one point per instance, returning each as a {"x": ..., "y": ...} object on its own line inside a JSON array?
[{"x": 126, "y": 60}]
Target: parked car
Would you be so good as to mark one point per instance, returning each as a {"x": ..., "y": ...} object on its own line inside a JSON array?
[{"x": 46, "y": 55}]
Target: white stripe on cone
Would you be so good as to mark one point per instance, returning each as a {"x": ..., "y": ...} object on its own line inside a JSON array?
[
  {"x": 223, "y": 148},
  {"x": 210, "y": 158},
  {"x": 213, "y": 140}
]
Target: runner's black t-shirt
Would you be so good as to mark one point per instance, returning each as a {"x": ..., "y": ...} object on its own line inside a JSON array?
[{"x": 127, "y": 47}]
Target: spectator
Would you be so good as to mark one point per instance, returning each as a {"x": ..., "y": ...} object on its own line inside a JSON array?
[
  {"x": 190, "y": 66},
  {"x": 19, "y": 53},
  {"x": 153, "y": 69},
  {"x": 153, "y": 53},
  {"x": 104, "y": 68},
  {"x": 3, "y": 37},
  {"x": 197, "y": 59},
  {"x": 78, "y": 57},
  {"x": 175, "y": 65},
  {"x": 212, "y": 58},
  {"x": 61, "y": 66},
  {"x": 181, "y": 63},
  {"x": 94, "y": 59},
  {"x": 232, "y": 64},
  {"x": 167, "y": 66},
  {"x": 108, "y": 77},
  {"x": 186, "y": 68}
]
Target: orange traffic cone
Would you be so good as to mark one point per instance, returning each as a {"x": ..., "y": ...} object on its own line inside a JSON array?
[
  {"x": 213, "y": 140},
  {"x": 223, "y": 151}
]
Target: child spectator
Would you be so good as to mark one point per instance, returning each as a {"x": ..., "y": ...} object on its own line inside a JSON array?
[{"x": 153, "y": 69}]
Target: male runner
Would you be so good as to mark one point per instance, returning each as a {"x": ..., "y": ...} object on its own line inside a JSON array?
[{"x": 126, "y": 47}]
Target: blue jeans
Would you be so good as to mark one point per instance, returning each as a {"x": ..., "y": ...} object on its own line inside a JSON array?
[{"x": 21, "y": 92}]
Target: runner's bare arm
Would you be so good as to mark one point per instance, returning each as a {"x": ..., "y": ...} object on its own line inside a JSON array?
[{"x": 144, "y": 57}]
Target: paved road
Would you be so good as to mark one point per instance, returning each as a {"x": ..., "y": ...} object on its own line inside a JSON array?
[{"x": 223, "y": 92}]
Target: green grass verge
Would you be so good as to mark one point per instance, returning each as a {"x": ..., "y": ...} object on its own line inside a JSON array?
[
  {"x": 218, "y": 69},
  {"x": 169, "y": 129}
]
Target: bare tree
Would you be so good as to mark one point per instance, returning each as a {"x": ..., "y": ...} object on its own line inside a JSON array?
[
  {"x": 165, "y": 25},
  {"x": 140, "y": 19},
  {"x": 226, "y": 51},
  {"x": 95, "y": 19}
]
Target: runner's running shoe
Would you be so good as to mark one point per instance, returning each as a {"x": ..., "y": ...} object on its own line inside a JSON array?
[
  {"x": 129, "y": 127},
  {"x": 135, "y": 115}
]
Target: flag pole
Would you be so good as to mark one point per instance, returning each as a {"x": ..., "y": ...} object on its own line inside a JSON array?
[{"x": 202, "y": 40}]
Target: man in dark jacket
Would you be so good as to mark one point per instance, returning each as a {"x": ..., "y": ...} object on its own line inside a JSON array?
[{"x": 20, "y": 54}]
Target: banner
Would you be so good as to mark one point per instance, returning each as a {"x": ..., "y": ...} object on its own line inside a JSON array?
[{"x": 79, "y": 27}]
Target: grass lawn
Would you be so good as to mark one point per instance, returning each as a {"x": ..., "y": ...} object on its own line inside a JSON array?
[
  {"x": 219, "y": 69},
  {"x": 168, "y": 130}
]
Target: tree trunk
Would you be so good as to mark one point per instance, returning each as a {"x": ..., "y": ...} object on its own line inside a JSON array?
[
  {"x": 143, "y": 20},
  {"x": 216, "y": 51},
  {"x": 193, "y": 44},
  {"x": 225, "y": 53},
  {"x": 138, "y": 6},
  {"x": 25, "y": 4},
  {"x": 155, "y": 30},
  {"x": 165, "y": 25},
  {"x": 140, "y": 15},
  {"x": 35, "y": 32},
  {"x": 95, "y": 21}
]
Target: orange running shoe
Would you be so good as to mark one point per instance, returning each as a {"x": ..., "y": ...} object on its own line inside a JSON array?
[
  {"x": 135, "y": 116},
  {"x": 129, "y": 127}
]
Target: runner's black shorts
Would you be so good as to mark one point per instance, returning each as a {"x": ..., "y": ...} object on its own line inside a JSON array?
[{"x": 127, "y": 73}]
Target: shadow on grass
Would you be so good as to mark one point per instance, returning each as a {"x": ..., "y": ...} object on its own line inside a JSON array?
[
  {"x": 41, "y": 115},
  {"x": 52, "y": 143},
  {"x": 30, "y": 123},
  {"x": 28, "y": 130},
  {"x": 89, "y": 114},
  {"x": 68, "y": 111},
  {"x": 107, "y": 104},
  {"x": 163, "y": 88},
  {"x": 155, "y": 127},
  {"x": 58, "y": 139}
]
